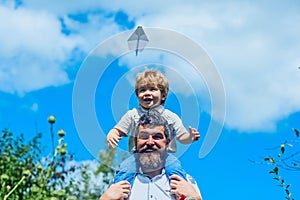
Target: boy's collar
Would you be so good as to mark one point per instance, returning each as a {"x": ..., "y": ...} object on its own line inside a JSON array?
[{"x": 159, "y": 108}]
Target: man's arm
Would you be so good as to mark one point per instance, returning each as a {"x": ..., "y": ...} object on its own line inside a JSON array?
[{"x": 120, "y": 190}]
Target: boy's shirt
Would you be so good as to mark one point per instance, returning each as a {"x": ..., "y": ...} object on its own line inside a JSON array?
[{"x": 129, "y": 121}]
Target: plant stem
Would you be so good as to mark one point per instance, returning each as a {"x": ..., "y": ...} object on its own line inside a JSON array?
[
  {"x": 10, "y": 192},
  {"x": 52, "y": 138}
]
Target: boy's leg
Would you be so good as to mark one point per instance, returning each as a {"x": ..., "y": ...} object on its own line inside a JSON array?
[
  {"x": 128, "y": 164},
  {"x": 126, "y": 170},
  {"x": 173, "y": 166}
]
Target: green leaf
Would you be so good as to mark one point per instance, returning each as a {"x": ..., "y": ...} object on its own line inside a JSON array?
[
  {"x": 279, "y": 155},
  {"x": 282, "y": 149},
  {"x": 296, "y": 132},
  {"x": 271, "y": 160},
  {"x": 296, "y": 164},
  {"x": 275, "y": 170}
]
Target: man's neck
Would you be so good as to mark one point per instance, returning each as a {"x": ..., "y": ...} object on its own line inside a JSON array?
[{"x": 152, "y": 173}]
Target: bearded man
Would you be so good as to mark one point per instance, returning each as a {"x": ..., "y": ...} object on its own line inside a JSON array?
[{"x": 150, "y": 180}]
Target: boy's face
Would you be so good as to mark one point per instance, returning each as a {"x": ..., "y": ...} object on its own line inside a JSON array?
[{"x": 150, "y": 96}]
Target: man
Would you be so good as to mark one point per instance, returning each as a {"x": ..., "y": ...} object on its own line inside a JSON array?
[{"x": 151, "y": 181}]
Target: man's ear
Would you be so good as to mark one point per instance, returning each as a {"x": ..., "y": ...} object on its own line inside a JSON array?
[
  {"x": 171, "y": 146},
  {"x": 163, "y": 97},
  {"x": 135, "y": 142},
  {"x": 168, "y": 142}
]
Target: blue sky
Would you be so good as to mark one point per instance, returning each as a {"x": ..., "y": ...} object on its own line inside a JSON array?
[{"x": 253, "y": 45}]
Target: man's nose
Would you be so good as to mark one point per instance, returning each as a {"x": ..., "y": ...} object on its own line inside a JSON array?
[{"x": 150, "y": 140}]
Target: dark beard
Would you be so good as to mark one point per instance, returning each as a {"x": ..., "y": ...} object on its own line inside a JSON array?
[{"x": 151, "y": 161}]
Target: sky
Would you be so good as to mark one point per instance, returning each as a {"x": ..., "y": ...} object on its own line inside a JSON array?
[{"x": 233, "y": 68}]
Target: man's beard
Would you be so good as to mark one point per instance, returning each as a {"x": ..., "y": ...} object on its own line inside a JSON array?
[{"x": 151, "y": 161}]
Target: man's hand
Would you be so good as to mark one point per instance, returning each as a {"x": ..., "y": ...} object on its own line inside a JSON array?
[
  {"x": 118, "y": 191},
  {"x": 113, "y": 138},
  {"x": 194, "y": 134},
  {"x": 180, "y": 187}
]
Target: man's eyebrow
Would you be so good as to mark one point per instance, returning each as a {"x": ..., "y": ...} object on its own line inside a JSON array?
[
  {"x": 144, "y": 132},
  {"x": 153, "y": 134}
]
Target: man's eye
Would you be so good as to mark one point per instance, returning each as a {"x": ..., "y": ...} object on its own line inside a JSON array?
[
  {"x": 158, "y": 136},
  {"x": 144, "y": 137}
]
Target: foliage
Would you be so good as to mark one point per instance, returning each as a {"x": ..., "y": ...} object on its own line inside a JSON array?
[
  {"x": 287, "y": 159},
  {"x": 25, "y": 174},
  {"x": 105, "y": 165}
]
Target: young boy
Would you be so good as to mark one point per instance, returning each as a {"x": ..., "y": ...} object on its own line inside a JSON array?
[{"x": 151, "y": 89}]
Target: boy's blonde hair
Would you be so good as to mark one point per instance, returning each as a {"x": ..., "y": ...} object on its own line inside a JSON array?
[{"x": 153, "y": 78}]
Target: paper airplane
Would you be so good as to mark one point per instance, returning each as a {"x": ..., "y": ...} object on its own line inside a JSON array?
[{"x": 138, "y": 40}]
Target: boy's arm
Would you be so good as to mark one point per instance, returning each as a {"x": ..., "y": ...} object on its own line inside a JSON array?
[
  {"x": 113, "y": 137},
  {"x": 180, "y": 131},
  {"x": 120, "y": 129},
  {"x": 188, "y": 138}
]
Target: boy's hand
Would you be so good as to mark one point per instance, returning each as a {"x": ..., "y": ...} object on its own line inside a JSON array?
[
  {"x": 194, "y": 134},
  {"x": 113, "y": 137}
]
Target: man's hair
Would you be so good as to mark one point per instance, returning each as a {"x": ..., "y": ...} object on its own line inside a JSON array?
[
  {"x": 152, "y": 78},
  {"x": 153, "y": 118}
]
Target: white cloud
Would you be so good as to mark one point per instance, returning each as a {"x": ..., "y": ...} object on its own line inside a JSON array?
[
  {"x": 32, "y": 51},
  {"x": 35, "y": 51},
  {"x": 254, "y": 46},
  {"x": 258, "y": 63},
  {"x": 255, "y": 49}
]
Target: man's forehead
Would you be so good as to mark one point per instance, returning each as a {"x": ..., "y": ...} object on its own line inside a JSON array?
[{"x": 152, "y": 128}]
